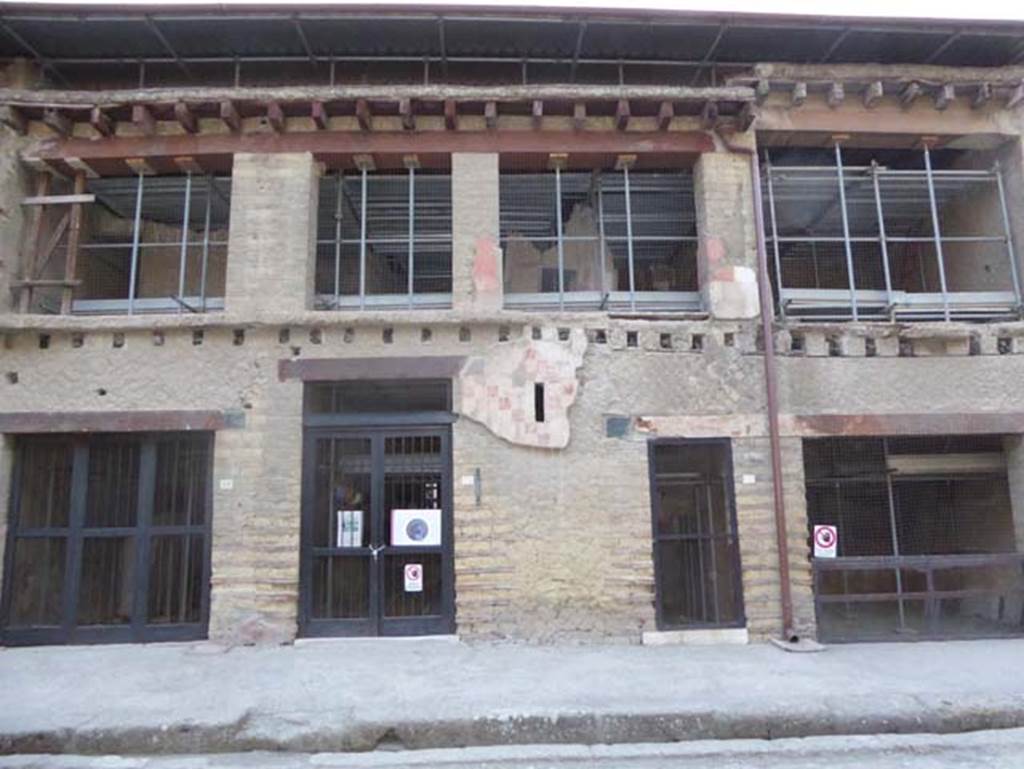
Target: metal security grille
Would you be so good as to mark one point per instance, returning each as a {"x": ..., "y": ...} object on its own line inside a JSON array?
[
  {"x": 384, "y": 240},
  {"x": 876, "y": 242},
  {"x": 154, "y": 244},
  {"x": 606, "y": 239},
  {"x": 109, "y": 539},
  {"x": 926, "y": 544},
  {"x": 696, "y": 553}
]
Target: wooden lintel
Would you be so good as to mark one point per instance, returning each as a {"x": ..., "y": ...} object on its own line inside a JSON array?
[
  {"x": 57, "y": 200},
  {"x": 42, "y": 166},
  {"x": 451, "y": 115},
  {"x": 709, "y": 115},
  {"x": 836, "y": 95},
  {"x": 405, "y": 109},
  {"x": 799, "y": 93},
  {"x": 622, "y": 115},
  {"x": 57, "y": 122},
  {"x": 15, "y": 119},
  {"x": 761, "y": 91},
  {"x": 143, "y": 119},
  {"x": 579, "y": 115},
  {"x": 275, "y": 117},
  {"x": 537, "y": 113},
  {"x": 109, "y": 421},
  {"x": 909, "y": 94},
  {"x": 944, "y": 95},
  {"x": 491, "y": 115},
  {"x": 873, "y": 94},
  {"x": 189, "y": 165},
  {"x": 665, "y": 114},
  {"x": 229, "y": 114},
  {"x": 318, "y": 112},
  {"x": 30, "y": 246},
  {"x": 82, "y": 167},
  {"x": 363, "y": 115},
  {"x": 382, "y": 142},
  {"x": 1016, "y": 97},
  {"x": 101, "y": 122},
  {"x": 982, "y": 96},
  {"x": 140, "y": 166},
  {"x": 186, "y": 118}
]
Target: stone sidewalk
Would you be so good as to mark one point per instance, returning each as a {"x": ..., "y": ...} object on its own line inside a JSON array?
[{"x": 354, "y": 695}]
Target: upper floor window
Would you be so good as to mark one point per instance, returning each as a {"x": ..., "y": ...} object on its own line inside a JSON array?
[
  {"x": 384, "y": 239},
  {"x": 129, "y": 244},
  {"x": 600, "y": 238},
  {"x": 885, "y": 234}
]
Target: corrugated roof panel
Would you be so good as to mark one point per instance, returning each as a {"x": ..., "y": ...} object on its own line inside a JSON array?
[
  {"x": 890, "y": 47},
  {"x": 775, "y": 44},
  {"x": 373, "y": 37},
  {"x": 86, "y": 39},
  {"x": 230, "y": 37},
  {"x": 510, "y": 38},
  {"x": 980, "y": 51},
  {"x": 648, "y": 41}
]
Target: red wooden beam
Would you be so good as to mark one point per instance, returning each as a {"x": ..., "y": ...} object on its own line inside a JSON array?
[
  {"x": 363, "y": 115},
  {"x": 275, "y": 116},
  {"x": 186, "y": 118},
  {"x": 389, "y": 142},
  {"x": 229, "y": 114},
  {"x": 665, "y": 114},
  {"x": 143, "y": 119},
  {"x": 451, "y": 114},
  {"x": 491, "y": 115},
  {"x": 101, "y": 122},
  {"x": 408, "y": 116},
  {"x": 622, "y": 115},
  {"x": 57, "y": 121},
  {"x": 319, "y": 114}
]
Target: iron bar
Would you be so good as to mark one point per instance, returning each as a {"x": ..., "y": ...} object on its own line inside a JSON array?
[
  {"x": 183, "y": 262},
  {"x": 881, "y": 236},
  {"x": 775, "y": 233},
  {"x": 629, "y": 238},
  {"x": 362, "y": 241},
  {"x": 134, "y": 268},
  {"x": 846, "y": 231},
  {"x": 412, "y": 231},
  {"x": 937, "y": 232},
  {"x": 894, "y": 534},
  {"x": 1011, "y": 252},
  {"x": 558, "y": 230},
  {"x": 602, "y": 253},
  {"x": 206, "y": 243}
]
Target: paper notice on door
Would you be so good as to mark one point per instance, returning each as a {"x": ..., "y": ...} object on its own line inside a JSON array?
[
  {"x": 350, "y": 528},
  {"x": 414, "y": 578}
]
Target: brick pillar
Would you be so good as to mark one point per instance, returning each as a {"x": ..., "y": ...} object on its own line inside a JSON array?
[
  {"x": 476, "y": 252},
  {"x": 727, "y": 249},
  {"x": 755, "y": 520},
  {"x": 254, "y": 589},
  {"x": 271, "y": 245},
  {"x": 6, "y": 470},
  {"x": 15, "y": 185}
]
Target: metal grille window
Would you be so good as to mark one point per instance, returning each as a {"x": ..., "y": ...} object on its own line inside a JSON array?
[
  {"x": 154, "y": 244},
  {"x": 615, "y": 239},
  {"x": 384, "y": 240},
  {"x": 926, "y": 544},
  {"x": 109, "y": 539},
  {"x": 875, "y": 242},
  {"x": 696, "y": 553}
]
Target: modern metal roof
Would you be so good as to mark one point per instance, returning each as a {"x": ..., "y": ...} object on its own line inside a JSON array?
[{"x": 70, "y": 37}]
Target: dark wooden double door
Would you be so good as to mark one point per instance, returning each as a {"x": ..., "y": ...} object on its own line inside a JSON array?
[{"x": 357, "y": 578}]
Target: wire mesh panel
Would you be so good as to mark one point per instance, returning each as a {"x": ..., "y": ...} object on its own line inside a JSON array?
[
  {"x": 599, "y": 239},
  {"x": 110, "y": 535},
  {"x": 872, "y": 241},
  {"x": 384, "y": 240},
  {"x": 926, "y": 541},
  {"x": 154, "y": 244}
]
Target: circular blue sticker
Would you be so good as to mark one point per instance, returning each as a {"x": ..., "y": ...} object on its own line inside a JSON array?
[{"x": 417, "y": 529}]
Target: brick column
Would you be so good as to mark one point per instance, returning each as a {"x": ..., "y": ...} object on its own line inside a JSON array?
[
  {"x": 271, "y": 245},
  {"x": 727, "y": 250},
  {"x": 255, "y": 560},
  {"x": 15, "y": 185},
  {"x": 476, "y": 252}
]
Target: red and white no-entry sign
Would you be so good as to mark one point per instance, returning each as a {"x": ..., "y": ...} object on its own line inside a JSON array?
[
  {"x": 825, "y": 540},
  {"x": 414, "y": 578}
]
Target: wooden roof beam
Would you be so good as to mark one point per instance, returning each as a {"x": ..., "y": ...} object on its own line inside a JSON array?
[
  {"x": 318, "y": 112},
  {"x": 982, "y": 96},
  {"x": 275, "y": 117},
  {"x": 745, "y": 118},
  {"x": 15, "y": 119},
  {"x": 709, "y": 115},
  {"x": 944, "y": 96},
  {"x": 836, "y": 95},
  {"x": 491, "y": 115},
  {"x": 665, "y": 114},
  {"x": 81, "y": 167},
  {"x": 143, "y": 119},
  {"x": 186, "y": 118},
  {"x": 1016, "y": 97},
  {"x": 537, "y": 112},
  {"x": 451, "y": 115},
  {"x": 799, "y": 95},
  {"x": 762, "y": 89},
  {"x": 622, "y": 115},
  {"x": 363, "y": 115},
  {"x": 101, "y": 122},
  {"x": 873, "y": 94},
  {"x": 579, "y": 115},
  {"x": 229, "y": 114},
  {"x": 909, "y": 94},
  {"x": 405, "y": 109},
  {"x": 57, "y": 122}
]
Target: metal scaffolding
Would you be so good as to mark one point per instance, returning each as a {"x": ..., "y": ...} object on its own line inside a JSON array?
[
  {"x": 872, "y": 242},
  {"x": 602, "y": 240},
  {"x": 384, "y": 240}
]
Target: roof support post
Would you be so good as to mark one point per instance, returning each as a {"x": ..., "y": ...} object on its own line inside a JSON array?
[
  {"x": 883, "y": 241},
  {"x": 935, "y": 228},
  {"x": 133, "y": 272},
  {"x": 183, "y": 259},
  {"x": 775, "y": 234},
  {"x": 1011, "y": 252},
  {"x": 846, "y": 231}
]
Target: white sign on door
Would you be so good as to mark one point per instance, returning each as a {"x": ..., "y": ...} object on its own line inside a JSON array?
[
  {"x": 414, "y": 578},
  {"x": 350, "y": 528},
  {"x": 826, "y": 538}
]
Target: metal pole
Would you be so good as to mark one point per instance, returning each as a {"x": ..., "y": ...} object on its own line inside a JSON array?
[
  {"x": 206, "y": 243},
  {"x": 775, "y": 233},
  {"x": 133, "y": 271},
  {"x": 337, "y": 236},
  {"x": 558, "y": 231},
  {"x": 894, "y": 535},
  {"x": 882, "y": 242},
  {"x": 1010, "y": 250},
  {"x": 183, "y": 262},
  {"x": 846, "y": 231},
  {"x": 412, "y": 230},
  {"x": 362, "y": 243},
  {"x": 937, "y": 234},
  {"x": 629, "y": 239},
  {"x": 605, "y": 292}
]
